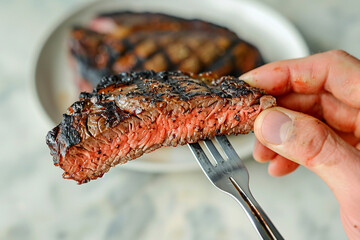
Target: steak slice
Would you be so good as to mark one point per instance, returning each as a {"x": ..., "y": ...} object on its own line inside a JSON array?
[
  {"x": 127, "y": 41},
  {"x": 130, "y": 114}
]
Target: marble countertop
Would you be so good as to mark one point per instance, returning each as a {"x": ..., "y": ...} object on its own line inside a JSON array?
[{"x": 36, "y": 203}]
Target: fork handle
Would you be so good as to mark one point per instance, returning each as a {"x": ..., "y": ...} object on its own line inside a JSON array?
[{"x": 263, "y": 225}]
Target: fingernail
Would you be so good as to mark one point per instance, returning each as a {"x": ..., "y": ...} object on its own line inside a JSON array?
[
  {"x": 275, "y": 127},
  {"x": 247, "y": 77}
]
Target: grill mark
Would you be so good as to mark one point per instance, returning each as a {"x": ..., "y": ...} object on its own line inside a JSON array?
[
  {"x": 140, "y": 61},
  {"x": 171, "y": 65},
  {"x": 219, "y": 62},
  {"x": 128, "y": 48},
  {"x": 160, "y": 49}
]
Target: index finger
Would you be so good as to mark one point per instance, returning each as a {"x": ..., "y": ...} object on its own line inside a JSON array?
[{"x": 334, "y": 71}]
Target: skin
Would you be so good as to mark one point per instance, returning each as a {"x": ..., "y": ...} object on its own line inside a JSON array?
[{"x": 317, "y": 124}]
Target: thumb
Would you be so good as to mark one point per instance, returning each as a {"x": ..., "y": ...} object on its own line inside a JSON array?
[{"x": 309, "y": 142}]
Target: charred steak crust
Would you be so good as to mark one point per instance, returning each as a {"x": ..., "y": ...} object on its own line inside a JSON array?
[
  {"x": 133, "y": 113},
  {"x": 128, "y": 41}
]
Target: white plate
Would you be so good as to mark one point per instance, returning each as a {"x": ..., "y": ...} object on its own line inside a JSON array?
[{"x": 270, "y": 32}]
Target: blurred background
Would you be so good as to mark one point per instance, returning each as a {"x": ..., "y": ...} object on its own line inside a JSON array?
[{"x": 36, "y": 203}]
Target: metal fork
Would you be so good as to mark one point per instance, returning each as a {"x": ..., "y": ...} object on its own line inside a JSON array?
[{"x": 232, "y": 177}]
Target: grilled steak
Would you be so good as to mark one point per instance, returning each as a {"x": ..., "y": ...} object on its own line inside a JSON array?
[
  {"x": 125, "y": 41},
  {"x": 133, "y": 113}
]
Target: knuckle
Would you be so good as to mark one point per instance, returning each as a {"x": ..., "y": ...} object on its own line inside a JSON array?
[{"x": 338, "y": 53}]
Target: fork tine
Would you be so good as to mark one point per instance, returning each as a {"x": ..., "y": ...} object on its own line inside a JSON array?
[
  {"x": 213, "y": 151},
  {"x": 200, "y": 155},
  {"x": 229, "y": 151}
]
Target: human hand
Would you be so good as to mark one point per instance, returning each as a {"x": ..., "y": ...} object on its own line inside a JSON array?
[{"x": 324, "y": 87}]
